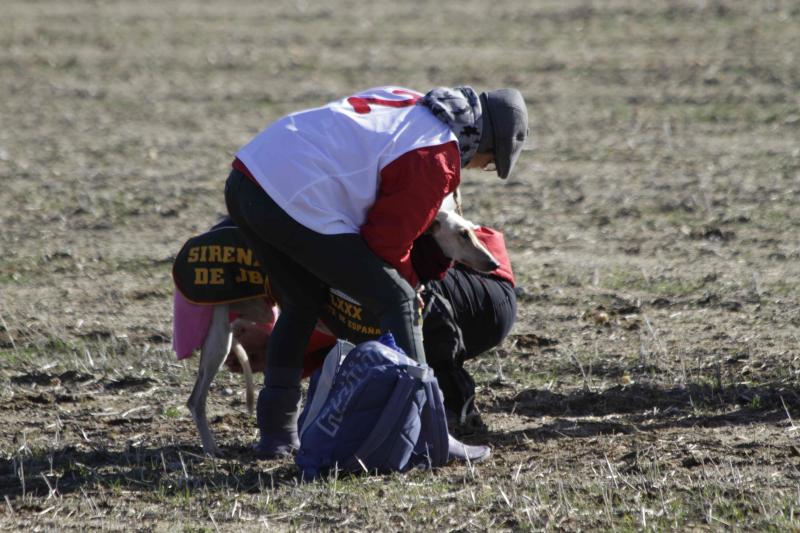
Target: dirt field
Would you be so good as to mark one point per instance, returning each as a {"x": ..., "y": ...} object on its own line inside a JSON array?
[{"x": 651, "y": 380}]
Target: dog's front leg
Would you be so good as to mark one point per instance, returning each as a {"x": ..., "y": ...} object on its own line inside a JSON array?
[{"x": 215, "y": 348}]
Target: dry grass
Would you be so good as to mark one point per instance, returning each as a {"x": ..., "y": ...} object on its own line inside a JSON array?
[{"x": 651, "y": 381}]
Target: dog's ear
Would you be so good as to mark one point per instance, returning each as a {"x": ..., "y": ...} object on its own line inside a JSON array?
[{"x": 434, "y": 227}]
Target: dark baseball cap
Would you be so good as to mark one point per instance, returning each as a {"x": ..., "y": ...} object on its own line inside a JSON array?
[{"x": 505, "y": 127}]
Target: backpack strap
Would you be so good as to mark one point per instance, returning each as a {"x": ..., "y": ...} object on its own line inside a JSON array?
[
  {"x": 327, "y": 376},
  {"x": 394, "y": 454},
  {"x": 434, "y": 432}
]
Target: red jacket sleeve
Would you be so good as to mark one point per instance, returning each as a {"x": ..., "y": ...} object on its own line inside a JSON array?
[{"x": 411, "y": 192}]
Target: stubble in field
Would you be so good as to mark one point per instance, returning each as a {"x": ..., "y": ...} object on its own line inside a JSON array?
[{"x": 651, "y": 380}]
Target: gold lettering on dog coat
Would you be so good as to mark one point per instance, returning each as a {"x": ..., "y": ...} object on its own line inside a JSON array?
[
  {"x": 348, "y": 319},
  {"x": 216, "y": 276},
  {"x": 244, "y": 256},
  {"x": 200, "y": 276},
  {"x": 215, "y": 254},
  {"x": 218, "y": 267},
  {"x": 228, "y": 254}
]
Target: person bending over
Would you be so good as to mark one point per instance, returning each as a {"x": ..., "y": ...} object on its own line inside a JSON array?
[
  {"x": 335, "y": 196},
  {"x": 466, "y": 313}
]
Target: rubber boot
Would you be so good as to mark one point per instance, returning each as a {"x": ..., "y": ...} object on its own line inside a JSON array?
[
  {"x": 276, "y": 413},
  {"x": 467, "y": 452}
]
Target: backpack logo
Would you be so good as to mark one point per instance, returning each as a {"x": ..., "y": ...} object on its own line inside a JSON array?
[{"x": 331, "y": 416}]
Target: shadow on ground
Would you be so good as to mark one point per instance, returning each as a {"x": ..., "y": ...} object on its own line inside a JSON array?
[
  {"x": 645, "y": 408},
  {"x": 165, "y": 470}
]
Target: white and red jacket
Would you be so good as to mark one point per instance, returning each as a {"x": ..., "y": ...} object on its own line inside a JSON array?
[{"x": 375, "y": 163}]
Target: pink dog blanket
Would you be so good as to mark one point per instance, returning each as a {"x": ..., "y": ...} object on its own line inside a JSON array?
[{"x": 190, "y": 323}]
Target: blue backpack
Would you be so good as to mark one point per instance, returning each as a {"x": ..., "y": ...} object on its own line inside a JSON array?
[{"x": 372, "y": 408}]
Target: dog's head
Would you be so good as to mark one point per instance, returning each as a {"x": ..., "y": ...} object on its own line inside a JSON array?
[{"x": 455, "y": 235}]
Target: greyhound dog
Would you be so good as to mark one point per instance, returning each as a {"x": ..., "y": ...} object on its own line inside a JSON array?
[{"x": 454, "y": 235}]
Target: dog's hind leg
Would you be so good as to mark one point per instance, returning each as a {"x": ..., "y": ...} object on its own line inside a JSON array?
[
  {"x": 216, "y": 346},
  {"x": 244, "y": 362}
]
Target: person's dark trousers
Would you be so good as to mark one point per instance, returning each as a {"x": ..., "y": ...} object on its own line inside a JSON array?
[
  {"x": 302, "y": 263},
  {"x": 467, "y": 314}
]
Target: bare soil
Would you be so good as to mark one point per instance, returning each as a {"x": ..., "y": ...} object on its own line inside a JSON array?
[{"x": 651, "y": 380}]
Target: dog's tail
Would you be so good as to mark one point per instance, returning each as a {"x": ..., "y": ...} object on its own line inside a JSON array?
[{"x": 244, "y": 362}]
